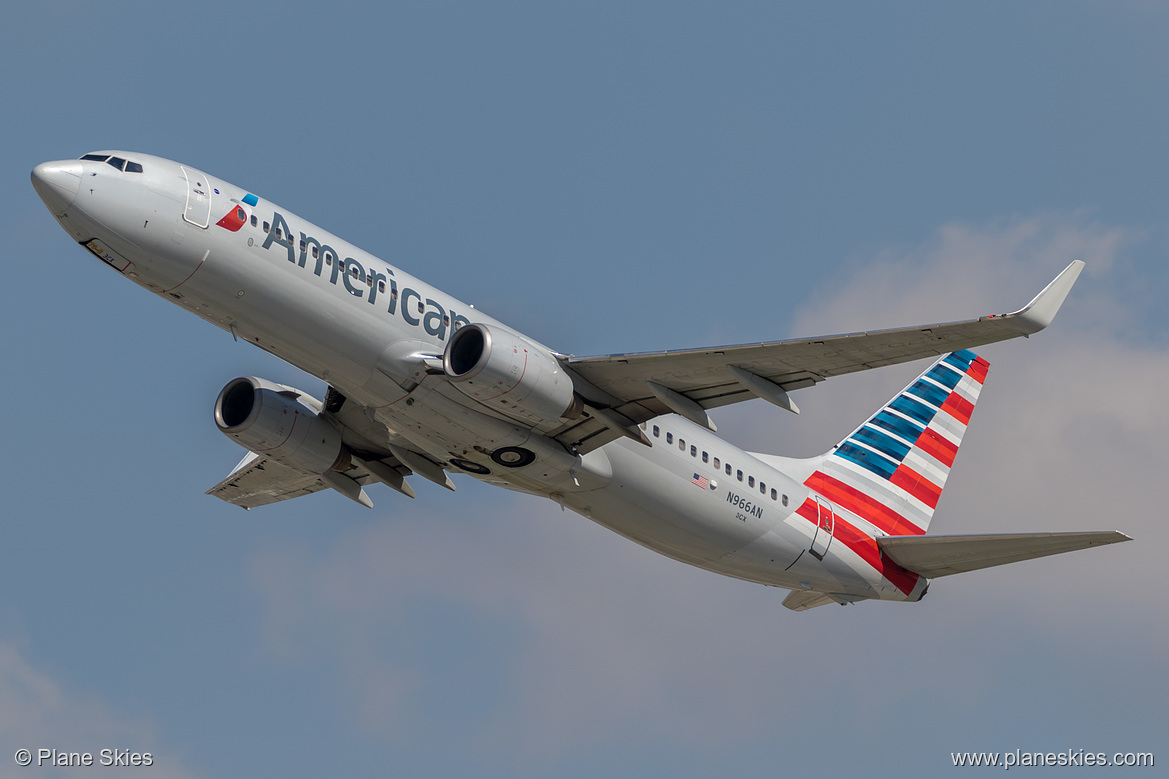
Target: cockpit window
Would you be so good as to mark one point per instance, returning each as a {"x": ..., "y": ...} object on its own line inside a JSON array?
[{"x": 117, "y": 162}]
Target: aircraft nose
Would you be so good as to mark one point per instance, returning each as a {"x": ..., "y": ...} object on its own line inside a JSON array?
[{"x": 57, "y": 183}]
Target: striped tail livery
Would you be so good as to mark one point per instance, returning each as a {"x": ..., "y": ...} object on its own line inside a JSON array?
[
  {"x": 890, "y": 471},
  {"x": 875, "y": 493}
]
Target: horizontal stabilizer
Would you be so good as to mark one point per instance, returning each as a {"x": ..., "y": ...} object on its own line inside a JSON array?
[
  {"x": 802, "y": 600},
  {"x": 933, "y": 556}
]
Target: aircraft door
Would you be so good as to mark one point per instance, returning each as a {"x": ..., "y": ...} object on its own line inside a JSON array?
[
  {"x": 198, "y": 209},
  {"x": 824, "y": 527}
]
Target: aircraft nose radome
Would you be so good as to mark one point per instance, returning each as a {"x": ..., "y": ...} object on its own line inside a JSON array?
[{"x": 57, "y": 183}]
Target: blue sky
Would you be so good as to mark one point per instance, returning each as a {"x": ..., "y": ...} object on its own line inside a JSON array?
[{"x": 606, "y": 177}]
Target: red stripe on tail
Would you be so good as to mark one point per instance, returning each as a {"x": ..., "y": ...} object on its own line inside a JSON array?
[
  {"x": 916, "y": 485},
  {"x": 938, "y": 447},
  {"x": 866, "y": 507},
  {"x": 864, "y": 546},
  {"x": 978, "y": 369},
  {"x": 958, "y": 407}
]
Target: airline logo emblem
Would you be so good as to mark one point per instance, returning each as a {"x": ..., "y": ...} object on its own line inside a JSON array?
[
  {"x": 236, "y": 218},
  {"x": 233, "y": 220}
]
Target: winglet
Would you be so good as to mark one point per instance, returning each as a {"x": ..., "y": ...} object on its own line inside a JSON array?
[{"x": 1040, "y": 312}]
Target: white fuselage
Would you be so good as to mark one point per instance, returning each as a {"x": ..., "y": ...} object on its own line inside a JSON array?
[{"x": 369, "y": 329}]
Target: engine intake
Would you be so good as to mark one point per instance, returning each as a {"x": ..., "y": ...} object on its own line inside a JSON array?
[
  {"x": 280, "y": 422},
  {"x": 510, "y": 374}
]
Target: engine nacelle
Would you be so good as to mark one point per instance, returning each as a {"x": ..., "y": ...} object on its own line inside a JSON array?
[
  {"x": 279, "y": 422},
  {"x": 510, "y": 374}
]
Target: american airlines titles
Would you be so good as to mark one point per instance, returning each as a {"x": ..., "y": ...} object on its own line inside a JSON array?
[{"x": 366, "y": 283}]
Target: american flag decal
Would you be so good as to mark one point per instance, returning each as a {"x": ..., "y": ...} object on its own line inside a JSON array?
[{"x": 700, "y": 481}]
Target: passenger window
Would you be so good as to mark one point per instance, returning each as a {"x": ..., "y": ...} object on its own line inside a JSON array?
[
  {"x": 717, "y": 464},
  {"x": 303, "y": 246},
  {"x": 328, "y": 259},
  {"x": 785, "y": 500},
  {"x": 693, "y": 450},
  {"x": 316, "y": 252},
  {"x": 750, "y": 481},
  {"x": 381, "y": 286},
  {"x": 669, "y": 438},
  {"x": 728, "y": 469},
  {"x": 657, "y": 432},
  {"x": 353, "y": 271},
  {"x": 762, "y": 488},
  {"x": 253, "y": 220},
  {"x": 421, "y": 307},
  {"x": 681, "y": 444},
  {"x": 394, "y": 294},
  {"x": 705, "y": 457},
  {"x": 133, "y": 167},
  {"x": 739, "y": 475},
  {"x": 774, "y": 494},
  {"x": 267, "y": 228}
]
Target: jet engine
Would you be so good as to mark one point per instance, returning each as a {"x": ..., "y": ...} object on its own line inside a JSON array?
[
  {"x": 280, "y": 422},
  {"x": 510, "y": 374}
]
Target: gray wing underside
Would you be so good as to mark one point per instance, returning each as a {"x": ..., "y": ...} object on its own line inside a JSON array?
[
  {"x": 714, "y": 377},
  {"x": 259, "y": 481}
]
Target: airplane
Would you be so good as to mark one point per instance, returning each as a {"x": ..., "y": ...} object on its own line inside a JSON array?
[{"x": 421, "y": 383}]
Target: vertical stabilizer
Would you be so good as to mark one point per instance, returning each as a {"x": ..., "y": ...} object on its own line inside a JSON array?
[{"x": 891, "y": 470}]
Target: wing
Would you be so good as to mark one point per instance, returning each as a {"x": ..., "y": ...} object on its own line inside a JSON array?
[
  {"x": 259, "y": 480},
  {"x": 632, "y": 388},
  {"x": 933, "y": 556}
]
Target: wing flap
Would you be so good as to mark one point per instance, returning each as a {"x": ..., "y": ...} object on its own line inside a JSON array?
[{"x": 933, "y": 556}]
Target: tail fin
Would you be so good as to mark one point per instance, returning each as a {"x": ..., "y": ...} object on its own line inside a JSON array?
[{"x": 890, "y": 471}]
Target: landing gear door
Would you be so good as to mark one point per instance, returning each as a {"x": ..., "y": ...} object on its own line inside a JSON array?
[
  {"x": 198, "y": 210},
  {"x": 824, "y": 526}
]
